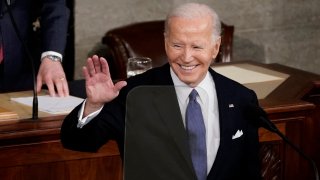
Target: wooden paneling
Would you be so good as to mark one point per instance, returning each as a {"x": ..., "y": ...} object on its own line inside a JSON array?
[{"x": 47, "y": 159}]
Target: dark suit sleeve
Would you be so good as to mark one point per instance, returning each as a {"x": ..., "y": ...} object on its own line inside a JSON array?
[
  {"x": 54, "y": 25},
  {"x": 73, "y": 137},
  {"x": 108, "y": 124}
]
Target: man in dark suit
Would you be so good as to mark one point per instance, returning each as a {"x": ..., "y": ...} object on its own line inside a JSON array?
[
  {"x": 43, "y": 27},
  {"x": 166, "y": 136}
]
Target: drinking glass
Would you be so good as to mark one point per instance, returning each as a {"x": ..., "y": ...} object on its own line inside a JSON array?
[{"x": 138, "y": 65}]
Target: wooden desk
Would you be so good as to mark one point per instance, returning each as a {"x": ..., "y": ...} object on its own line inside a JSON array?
[
  {"x": 31, "y": 149},
  {"x": 294, "y": 106}
]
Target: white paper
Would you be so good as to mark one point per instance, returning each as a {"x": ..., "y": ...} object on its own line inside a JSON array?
[
  {"x": 244, "y": 76},
  {"x": 53, "y": 105}
]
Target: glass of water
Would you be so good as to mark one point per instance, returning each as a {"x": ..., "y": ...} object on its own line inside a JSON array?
[{"x": 138, "y": 65}]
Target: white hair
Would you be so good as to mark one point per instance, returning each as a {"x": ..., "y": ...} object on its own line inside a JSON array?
[{"x": 196, "y": 10}]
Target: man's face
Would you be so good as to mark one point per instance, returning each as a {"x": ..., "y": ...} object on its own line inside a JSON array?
[{"x": 190, "y": 48}]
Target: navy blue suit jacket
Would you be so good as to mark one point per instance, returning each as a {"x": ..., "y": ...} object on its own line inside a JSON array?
[
  {"x": 164, "y": 151},
  {"x": 15, "y": 71}
]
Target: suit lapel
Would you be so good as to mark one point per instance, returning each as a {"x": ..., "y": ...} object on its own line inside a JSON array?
[{"x": 224, "y": 121}]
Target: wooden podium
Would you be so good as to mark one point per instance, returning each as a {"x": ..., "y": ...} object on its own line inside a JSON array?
[
  {"x": 31, "y": 149},
  {"x": 294, "y": 106}
]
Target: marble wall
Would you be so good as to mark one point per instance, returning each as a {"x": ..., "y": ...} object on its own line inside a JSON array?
[{"x": 269, "y": 31}]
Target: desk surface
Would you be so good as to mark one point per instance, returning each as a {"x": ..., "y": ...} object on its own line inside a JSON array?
[
  {"x": 24, "y": 128},
  {"x": 23, "y": 111},
  {"x": 262, "y": 80},
  {"x": 293, "y": 90}
]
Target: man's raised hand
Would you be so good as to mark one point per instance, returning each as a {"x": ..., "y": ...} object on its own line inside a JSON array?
[{"x": 100, "y": 88}]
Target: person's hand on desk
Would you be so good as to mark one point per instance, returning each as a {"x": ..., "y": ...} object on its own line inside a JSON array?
[
  {"x": 100, "y": 88},
  {"x": 51, "y": 73}
]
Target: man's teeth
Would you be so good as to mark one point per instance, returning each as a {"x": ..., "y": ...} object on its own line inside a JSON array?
[{"x": 187, "y": 67}]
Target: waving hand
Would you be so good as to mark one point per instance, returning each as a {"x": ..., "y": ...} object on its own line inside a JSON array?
[{"x": 100, "y": 88}]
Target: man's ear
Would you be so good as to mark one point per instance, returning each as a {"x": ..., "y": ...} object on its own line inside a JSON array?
[
  {"x": 165, "y": 35},
  {"x": 216, "y": 48}
]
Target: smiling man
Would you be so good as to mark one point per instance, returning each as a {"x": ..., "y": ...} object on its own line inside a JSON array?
[
  {"x": 192, "y": 41},
  {"x": 179, "y": 121}
]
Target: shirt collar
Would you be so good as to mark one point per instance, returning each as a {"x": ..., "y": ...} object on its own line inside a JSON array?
[{"x": 183, "y": 90}]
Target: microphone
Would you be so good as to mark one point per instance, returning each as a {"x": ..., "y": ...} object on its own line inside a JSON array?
[
  {"x": 35, "y": 95},
  {"x": 260, "y": 119},
  {"x": 255, "y": 112}
]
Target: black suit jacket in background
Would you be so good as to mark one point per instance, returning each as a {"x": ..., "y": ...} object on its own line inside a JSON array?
[
  {"x": 164, "y": 152},
  {"x": 15, "y": 71}
]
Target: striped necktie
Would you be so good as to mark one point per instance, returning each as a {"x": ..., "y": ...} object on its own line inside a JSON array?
[{"x": 197, "y": 136}]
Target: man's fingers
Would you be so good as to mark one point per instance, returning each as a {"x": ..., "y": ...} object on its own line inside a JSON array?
[
  {"x": 105, "y": 66},
  {"x": 119, "y": 85},
  {"x": 58, "y": 84},
  {"x": 90, "y": 66},
  {"x": 97, "y": 65},
  {"x": 66, "y": 88},
  {"x": 85, "y": 72},
  {"x": 39, "y": 83},
  {"x": 62, "y": 87},
  {"x": 50, "y": 86}
]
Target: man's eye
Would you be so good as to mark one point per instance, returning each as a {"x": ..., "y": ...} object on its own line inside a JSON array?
[
  {"x": 197, "y": 47},
  {"x": 176, "y": 45}
]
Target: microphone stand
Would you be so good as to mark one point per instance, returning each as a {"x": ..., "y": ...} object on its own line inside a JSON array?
[
  {"x": 35, "y": 95},
  {"x": 271, "y": 127}
]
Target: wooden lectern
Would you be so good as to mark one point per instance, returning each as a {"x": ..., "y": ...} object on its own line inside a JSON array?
[{"x": 31, "y": 149}]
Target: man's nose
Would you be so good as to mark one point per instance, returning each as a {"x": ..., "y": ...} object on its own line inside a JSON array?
[{"x": 187, "y": 55}]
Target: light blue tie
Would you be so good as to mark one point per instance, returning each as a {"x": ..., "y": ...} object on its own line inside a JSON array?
[{"x": 197, "y": 136}]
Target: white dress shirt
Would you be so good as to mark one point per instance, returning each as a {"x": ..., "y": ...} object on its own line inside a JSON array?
[{"x": 209, "y": 105}]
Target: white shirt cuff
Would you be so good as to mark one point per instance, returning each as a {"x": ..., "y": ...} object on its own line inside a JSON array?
[
  {"x": 52, "y": 53},
  {"x": 85, "y": 120}
]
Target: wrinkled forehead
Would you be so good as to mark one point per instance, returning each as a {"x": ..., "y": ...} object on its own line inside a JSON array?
[
  {"x": 189, "y": 26},
  {"x": 190, "y": 23}
]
